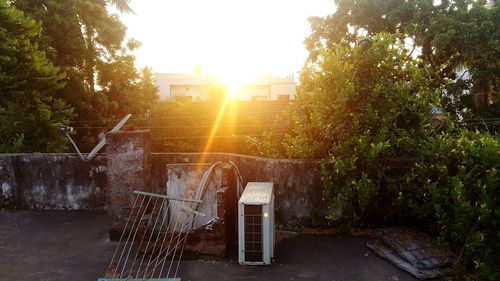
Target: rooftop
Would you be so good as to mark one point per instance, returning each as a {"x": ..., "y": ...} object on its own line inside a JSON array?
[{"x": 75, "y": 246}]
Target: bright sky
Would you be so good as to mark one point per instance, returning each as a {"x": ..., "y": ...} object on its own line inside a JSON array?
[{"x": 225, "y": 37}]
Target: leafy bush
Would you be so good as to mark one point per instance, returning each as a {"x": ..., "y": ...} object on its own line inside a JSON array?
[
  {"x": 456, "y": 185},
  {"x": 217, "y": 125},
  {"x": 350, "y": 96},
  {"x": 450, "y": 186},
  {"x": 361, "y": 111},
  {"x": 366, "y": 115}
]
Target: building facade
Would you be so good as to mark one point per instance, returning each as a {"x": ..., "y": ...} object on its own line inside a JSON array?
[
  {"x": 183, "y": 85},
  {"x": 196, "y": 87}
]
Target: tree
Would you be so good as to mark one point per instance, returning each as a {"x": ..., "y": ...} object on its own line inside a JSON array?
[
  {"x": 347, "y": 93},
  {"x": 447, "y": 36},
  {"x": 29, "y": 113},
  {"x": 122, "y": 5},
  {"x": 365, "y": 114},
  {"x": 359, "y": 111},
  {"x": 83, "y": 38}
]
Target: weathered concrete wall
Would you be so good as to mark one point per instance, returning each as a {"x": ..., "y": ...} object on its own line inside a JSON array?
[
  {"x": 52, "y": 182},
  {"x": 128, "y": 169},
  {"x": 64, "y": 182},
  {"x": 183, "y": 181},
  {"x": 8, "y": 183},
  {"x": 297, "y": 183},
  {"x": 215, "y": 231}
]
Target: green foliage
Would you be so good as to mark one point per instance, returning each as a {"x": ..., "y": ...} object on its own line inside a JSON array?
[
  {"x": 451, "y": 186},
  {"x": 353, "y": 99},
  {"x": 270, "y": 142},
  {"x": 85, "y": 40},
  {"x": 359, "y": 111},
  {"x": 29, "y": 112},
  {"x": 456, "y": 184},
  {"x": 366, "y": 115},
  {"x": 446, "y": 35},
  {"x": 186, "y": 126}
]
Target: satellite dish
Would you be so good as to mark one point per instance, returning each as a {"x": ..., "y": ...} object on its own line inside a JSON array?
[{"x": 66, "y": 130}]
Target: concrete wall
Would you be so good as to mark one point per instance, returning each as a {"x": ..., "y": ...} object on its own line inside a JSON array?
[
  {"x": 297, "y": 183},
  {"x": 64, "y": 182},
  {"x": 283, "y": 88},
  {"x": 175, "y": 84},
  {"x": 183, "y": 181},
  {"x": 214, "y": 232},
  {"x": 194, "y": 92},
  {"x": 8, "y": 183},
  {"x": 254, "y": 92},
  {"x": 52, "y": 182},
  {"x": 128, "y": 169}
]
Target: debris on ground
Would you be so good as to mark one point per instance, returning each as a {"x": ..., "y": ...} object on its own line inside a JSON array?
[
  {"x": 321, "y": 231},
  {"x": 284, "y": 234},
  {"x": 412, "y": 251},
  {"x": 354, "y": 231}
]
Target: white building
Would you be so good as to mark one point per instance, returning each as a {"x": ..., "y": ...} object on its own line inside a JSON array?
[
  {"x": 189, "y": 85},
  {"x": 266, "y": 87},
  {"x": 196, "y": 87}
]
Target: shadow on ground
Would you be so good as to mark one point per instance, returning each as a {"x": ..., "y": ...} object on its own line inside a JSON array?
[{"x": 57, "y": 246}]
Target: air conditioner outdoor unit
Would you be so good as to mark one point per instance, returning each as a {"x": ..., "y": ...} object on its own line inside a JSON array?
[{"x": 256, "y": 224}]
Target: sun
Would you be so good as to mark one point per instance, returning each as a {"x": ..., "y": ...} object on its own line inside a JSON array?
[{"x": 234, "y": 81}]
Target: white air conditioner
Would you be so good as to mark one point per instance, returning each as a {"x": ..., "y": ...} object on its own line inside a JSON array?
[{"x": 256, "y": 224}]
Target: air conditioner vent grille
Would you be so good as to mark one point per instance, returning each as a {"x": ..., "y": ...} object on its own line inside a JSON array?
[{"x": 253, "y": 233}]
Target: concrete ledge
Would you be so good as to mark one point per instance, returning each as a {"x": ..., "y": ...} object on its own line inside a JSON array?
[
  {"x": 64, "y": 182},
  {"x": 297, "y": 183},
  {"x": 52, "y": 182}
]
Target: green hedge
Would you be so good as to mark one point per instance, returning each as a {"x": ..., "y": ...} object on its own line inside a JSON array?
[
  {"x": 449, "y": 184},
  {"x": 456, "y": 185}
]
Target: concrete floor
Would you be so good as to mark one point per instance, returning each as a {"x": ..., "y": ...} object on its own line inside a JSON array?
[{"x": 59, "y": 246}]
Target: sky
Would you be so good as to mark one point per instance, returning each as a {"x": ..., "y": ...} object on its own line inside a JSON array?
[{"x": 226, "y": 38}]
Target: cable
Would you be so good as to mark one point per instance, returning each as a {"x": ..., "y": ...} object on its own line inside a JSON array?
[
  {"x": 254, "y": 112},
  {"x": 185, "y": 126},
  {"x": 205, "y": 137}
]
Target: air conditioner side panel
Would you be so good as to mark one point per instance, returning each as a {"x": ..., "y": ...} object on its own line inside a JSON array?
[
  {"x": 241, "y": 233},
  {"x": 273, "y": 228},
  {"x": 266, "y": 233}
]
